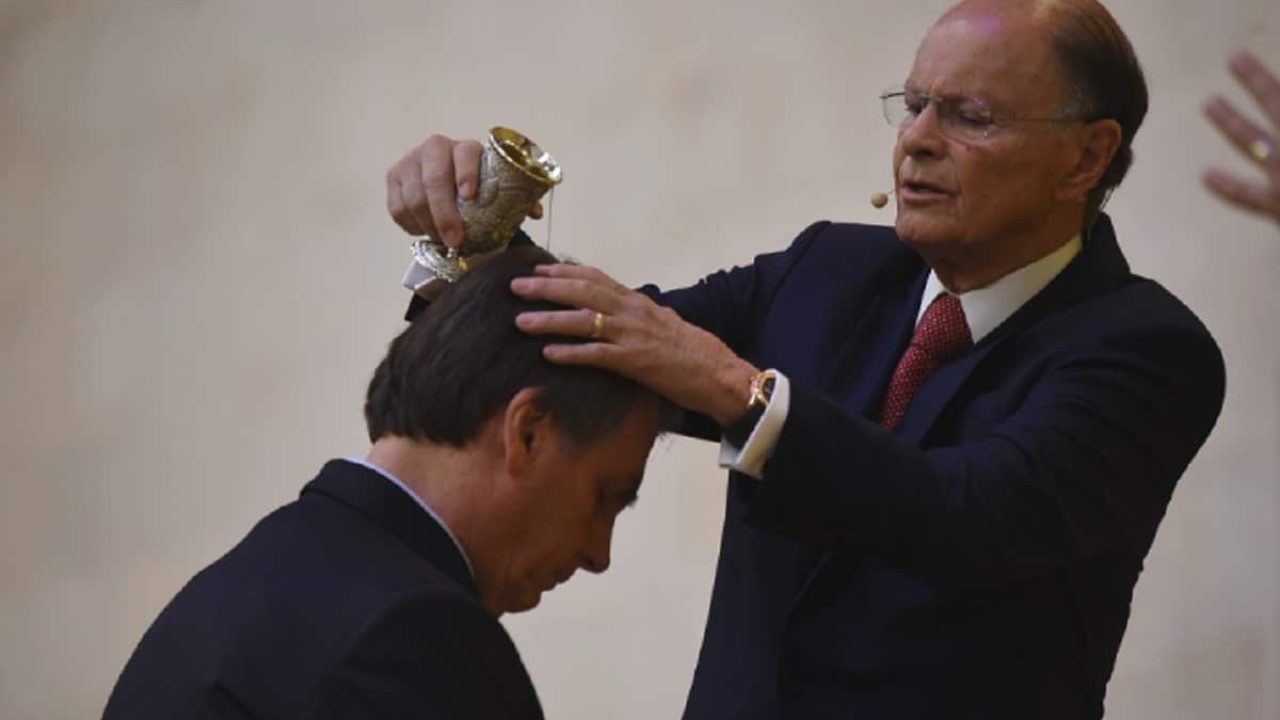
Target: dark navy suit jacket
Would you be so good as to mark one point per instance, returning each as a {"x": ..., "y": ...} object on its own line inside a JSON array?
[
  {"x": 350, "y": 602},
  {"x": 979, "y": 562}
]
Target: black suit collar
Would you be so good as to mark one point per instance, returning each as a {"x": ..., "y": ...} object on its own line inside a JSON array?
[
  {"x": 378, "y": 498},
  {"x": 1099, "y": 267}
]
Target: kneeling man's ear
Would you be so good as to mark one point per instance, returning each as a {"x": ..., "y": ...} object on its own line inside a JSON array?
[{"x": 527, "y": 431}]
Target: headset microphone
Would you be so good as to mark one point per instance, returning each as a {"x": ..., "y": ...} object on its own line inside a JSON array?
[{"x": 880, "y": 199}]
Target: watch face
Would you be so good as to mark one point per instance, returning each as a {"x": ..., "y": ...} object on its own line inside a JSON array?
[
  {"x": 766, "y": 387},
  {"x": 762, "y": 388}
]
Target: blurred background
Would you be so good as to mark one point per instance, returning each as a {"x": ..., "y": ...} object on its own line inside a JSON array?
[{"x": 198, "y": 275}]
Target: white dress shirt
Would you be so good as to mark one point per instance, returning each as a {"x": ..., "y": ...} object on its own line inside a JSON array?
[
  {"x": 421, "y": 503},
  {"x": 984, "y": 309}
]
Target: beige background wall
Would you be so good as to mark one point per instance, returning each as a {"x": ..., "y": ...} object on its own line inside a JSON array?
[{"x": 197, "y": 276}]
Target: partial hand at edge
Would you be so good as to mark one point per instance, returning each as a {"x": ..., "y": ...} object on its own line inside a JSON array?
[{"x": 1256, "y": 142}]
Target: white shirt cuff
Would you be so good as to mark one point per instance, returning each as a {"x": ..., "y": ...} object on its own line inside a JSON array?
[{"x": 756, "y": 451}]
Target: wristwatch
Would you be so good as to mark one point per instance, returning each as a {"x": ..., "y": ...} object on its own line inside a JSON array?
[{"x": 760, "y": 391}]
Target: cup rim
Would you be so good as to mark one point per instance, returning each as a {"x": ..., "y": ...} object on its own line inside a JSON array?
[{"x": 535, "y": 162}]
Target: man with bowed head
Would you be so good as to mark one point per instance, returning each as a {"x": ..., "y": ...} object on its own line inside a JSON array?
[
  {"x": 950, "y": 441},
  {"x": 493, "y": 476}
]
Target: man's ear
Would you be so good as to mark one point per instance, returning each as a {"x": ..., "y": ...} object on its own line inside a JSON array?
[
  {"x": 1096, "y": 144},
  {"x": 526, "y": 432}
]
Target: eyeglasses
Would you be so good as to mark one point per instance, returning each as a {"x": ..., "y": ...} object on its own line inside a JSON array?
[{"x": 959, "y": 118}]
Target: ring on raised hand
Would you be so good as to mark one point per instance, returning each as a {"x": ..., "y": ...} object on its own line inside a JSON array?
[
  {"x": 597, "y": 327},
  {"x": 1262, "y": 149}
]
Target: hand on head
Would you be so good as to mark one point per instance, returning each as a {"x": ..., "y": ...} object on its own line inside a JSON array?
[
  {"x": 635, "y": 337},
  {"x": 1258, "y": 142}
]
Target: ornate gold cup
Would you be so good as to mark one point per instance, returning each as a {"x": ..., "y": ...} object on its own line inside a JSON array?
[{"x": 514, "y": 173}]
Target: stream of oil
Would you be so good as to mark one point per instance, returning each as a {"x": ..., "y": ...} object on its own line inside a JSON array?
[{"x": 551, "y": 202}]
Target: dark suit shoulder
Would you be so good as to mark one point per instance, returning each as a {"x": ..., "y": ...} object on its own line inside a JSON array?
[
  {"x": 301, "y": 553},
  {"x": 881, "y": 238},
  {"x": 446, "y": 616},
  {"x": 1145, "y": 302},
  {"x": 1143, "y": 318},
  {"x": 876, "y": 245},
  {"x": 865, "y": 250},
  {"x": 433, "y": 649},
  {"x": 259, "y": 628},
  {"x": 838, "y": 263},
  {"x": 320, "y": 564}
]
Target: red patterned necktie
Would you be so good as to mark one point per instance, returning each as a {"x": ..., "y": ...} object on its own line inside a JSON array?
[{"x": 942, "y": 333}]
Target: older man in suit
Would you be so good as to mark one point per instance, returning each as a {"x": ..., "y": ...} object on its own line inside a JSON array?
[
  {"x": 952, "y": 440},
  {"x": 493, "y": 476}
]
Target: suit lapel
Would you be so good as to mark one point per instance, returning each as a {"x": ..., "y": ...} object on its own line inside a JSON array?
[
  {"x": 862, "y": 368},
  {"x": 380, "y": 500},
  {"x": 940, "y": 387},
  {"x": 1099, "y": 266}
]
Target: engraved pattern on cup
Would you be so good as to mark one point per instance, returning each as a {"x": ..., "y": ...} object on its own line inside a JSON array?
[{"x": 505, "y": 196}]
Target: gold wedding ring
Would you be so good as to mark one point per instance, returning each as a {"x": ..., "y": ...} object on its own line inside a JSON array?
[
  {"x": 1262, "y": 150},
  {"x": 597, "y": 328}
]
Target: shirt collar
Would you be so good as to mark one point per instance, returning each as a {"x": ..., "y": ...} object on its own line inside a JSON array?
[
  {"x": 421, "y": 503},
  {"x": 987, "y": 307}
]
